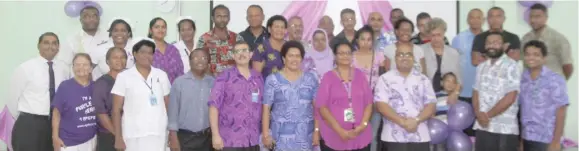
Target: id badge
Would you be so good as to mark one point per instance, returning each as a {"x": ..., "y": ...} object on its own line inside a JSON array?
[
  {"x": 349, "y": 115},
  {"x": 153, "y": 99},
  {"x": 254, "y": 97}
]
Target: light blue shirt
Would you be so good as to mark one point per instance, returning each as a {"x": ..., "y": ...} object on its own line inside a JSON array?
[
  {"x": 463, "y": 43},
  {"x": 384, "y": 39},
  {"x": 187, "y": 109}
]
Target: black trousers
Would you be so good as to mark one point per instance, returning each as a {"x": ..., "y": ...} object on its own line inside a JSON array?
[
  {"x": 195, "y": 141},
  {"x": 534, "y": 146},
  {"x": 496, "y": 142},
  {"x": 324, "y": 147},
  {"x": 251, "y": 148},
  {"x": 105, "y": 141},
  {"x": 468, "y": 131},
  {"x": 32, "y": 133},
  {"x": 392, "y": 146}
]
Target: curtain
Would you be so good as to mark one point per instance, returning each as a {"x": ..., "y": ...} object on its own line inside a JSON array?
[
  {"x": 310, "y": 12},
  {"x": 6, "y": 124},
  {"x": 383, "y": 7}
]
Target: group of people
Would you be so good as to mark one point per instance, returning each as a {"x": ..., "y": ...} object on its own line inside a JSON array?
[{"x": 361, "y": 90}]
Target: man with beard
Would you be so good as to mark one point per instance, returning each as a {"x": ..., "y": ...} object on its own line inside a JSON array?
[
  {"x": 85, "y": 40},
  {"x": 496, "y": 18},
  {"x": 219, "y": 41},
  {"x": 295, "y": 30},
  {"x": 187, "y": 92},
  {"x": 494, "y": 98},
  {"x": 348, "y": 21},
  {"x": 255, "y": 33},
  {"x": 560, "y": 58}
]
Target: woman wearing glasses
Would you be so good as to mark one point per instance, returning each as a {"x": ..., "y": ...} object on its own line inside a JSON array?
[
  {"x": 344, "y": 101},
  {"x": 235, "y": 105}
]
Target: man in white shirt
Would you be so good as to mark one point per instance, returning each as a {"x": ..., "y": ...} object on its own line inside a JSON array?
[
  {"x": 141, "y": 93},
  {"x": 86, "y": 40},
  {"x": 494, "y": 98},
  {"x": 32, "y": 89}
]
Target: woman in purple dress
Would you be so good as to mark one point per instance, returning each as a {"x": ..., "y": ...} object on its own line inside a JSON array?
[
  {"x": 166, "y": 57},
  {"x": 267, "y": 59},
  {"x": 73, "y": 116},
  {"x": 344, "y": 101}
]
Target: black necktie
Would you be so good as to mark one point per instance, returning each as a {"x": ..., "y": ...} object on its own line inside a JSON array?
[{"x": 51, "y": 86}]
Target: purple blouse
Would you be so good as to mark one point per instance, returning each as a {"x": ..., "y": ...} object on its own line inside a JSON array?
[
  {"x": 270, "y": 56},
  {"x": 333, "y": 95},
  {"x": 239, "y": 114},
  {"x": 170, "y": 62},
  {"x": 540, "y": 99}
]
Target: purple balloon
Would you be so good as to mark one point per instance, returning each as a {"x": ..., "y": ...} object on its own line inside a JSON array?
[
  {"x": 460, "y": 116},
  {"x": 438, "y": 131},
  {"x": 94, "y": 4},
  {"x": 527, "y": 15},
  {"x": 458, "y": 141},
  {"x": 526, "y": 3},
  {"x": 72, "y": 8}
]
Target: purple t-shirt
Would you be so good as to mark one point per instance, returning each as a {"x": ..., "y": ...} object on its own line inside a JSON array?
[
  {"x": 239, "y": 110},
  {"x": 77, "y": 113},
  {"x": 270, "y": 56},
  {"x": 540, "y": 99}
]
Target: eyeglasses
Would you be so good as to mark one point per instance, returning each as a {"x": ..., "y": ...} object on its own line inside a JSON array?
[
  {"x": 404, "y": 54},
  {"x": 237, "y": 51}
]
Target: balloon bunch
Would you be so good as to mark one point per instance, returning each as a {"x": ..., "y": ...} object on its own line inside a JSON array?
[
  {"x": 527, "y": 4},
  {"x": 460, "y": 116},
  {"x": 73, "y": 8}
]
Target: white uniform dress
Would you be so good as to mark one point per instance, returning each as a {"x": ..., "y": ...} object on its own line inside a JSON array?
[
  {"x": 99, "y": 58},
  {"x": 184, "y": 52}
]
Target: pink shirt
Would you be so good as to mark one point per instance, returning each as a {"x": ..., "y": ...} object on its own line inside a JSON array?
[
  {"x": 371, "y": 73},
  {"x": 333, "y": 95}
]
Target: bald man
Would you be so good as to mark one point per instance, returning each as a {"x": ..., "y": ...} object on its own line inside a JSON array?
[
  {"x": 327, "y": 24},
  {"x": 383, "y": 38},
  {"x": 463, "y": 43},
  {"x": 295, "y": 30}
]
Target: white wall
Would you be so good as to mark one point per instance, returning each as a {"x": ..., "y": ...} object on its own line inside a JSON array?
[{"x": 443, "y": 9}]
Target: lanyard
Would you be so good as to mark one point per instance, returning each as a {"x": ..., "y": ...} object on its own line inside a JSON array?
[
  {"x": 186, "y": 51},
  {"x": 347, "y": 85},
  {"x": 149, "y": 86}
]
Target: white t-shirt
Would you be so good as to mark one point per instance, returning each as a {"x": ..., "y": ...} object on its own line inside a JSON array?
[
  {"x": 141, "y": 117},
  {"x": 390, "y": 53}
]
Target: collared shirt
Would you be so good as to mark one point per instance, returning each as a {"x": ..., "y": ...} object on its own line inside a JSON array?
[
  {"x": 251, "y": 39},
  {"x": 102, "y": 98},
  {"x": 540, "y": 99},
  {"x": 558, "y": 48},
  {"x": 99, "y": 57},
  {"x": 187, "y": 109},
  {"x": 407, "y": 96},
  {"x": 390, "y": 53},
  {"x": 418, "y": 41},
  {"x": 239, "y": 113},
  {"x": 81, "y": 42},
  {"x": 220, "y": 55},
  {"x": 292, "y": 112},
  {"x": 385, "y": 39},
  {"x": 78, "y": 122},
  {"x": 478, "y": 43},
  {"x": 493, "y": 82},
  {"x": 339, "y": 38},
  {"x": 30, "y": 83},
  {"x": 141, "y": 117},
  {"x": 463, "y": 42},
  {"x": 271, "y": 58},
  {"x": 184, "y": 52},
  {"x": 333, "y": 95},
  {"x": 170, "y": 62}
]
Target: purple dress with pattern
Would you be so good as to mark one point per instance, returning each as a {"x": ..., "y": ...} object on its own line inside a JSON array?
[{"x": 170, "y": 62}]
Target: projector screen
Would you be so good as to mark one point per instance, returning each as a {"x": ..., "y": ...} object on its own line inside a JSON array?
[{"x": 446, "y": 10}]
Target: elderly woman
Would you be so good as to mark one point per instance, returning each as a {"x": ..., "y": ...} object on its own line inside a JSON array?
[
  {"x": 289, "y": 94},
  {"x": 120, "y": 34},
  {"x": 344, "y": 101},
  {"x": 267, "y": 59},
  {"x": 319, "y": 58},
  {"x": 166, "y": 57},
  {"x": 74, "y": 123},
  {"x": 440, "y": 58}
]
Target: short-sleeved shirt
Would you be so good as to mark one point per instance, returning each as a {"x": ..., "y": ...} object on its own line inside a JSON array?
[
  {"x": 101, "y": 96},
  {"x": 77, "y": 112},
  {"x": 478, "y": 44},
  {"x": 390, "y": 53},
  {"x": 558, "y": 47},
  {"x": 239, "y": 114},
  {"x": 407, "y": 96},
  {"x": 540, "y": 99},
  {"x": 272, "y": 58},
  {"x": 141, "y": 117},
  {"x": 493, "y": 82},
  {"x": 220, "y": 55},
  {"x": 385, "y": 39},
  {"x": 251, "y": 39}
]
